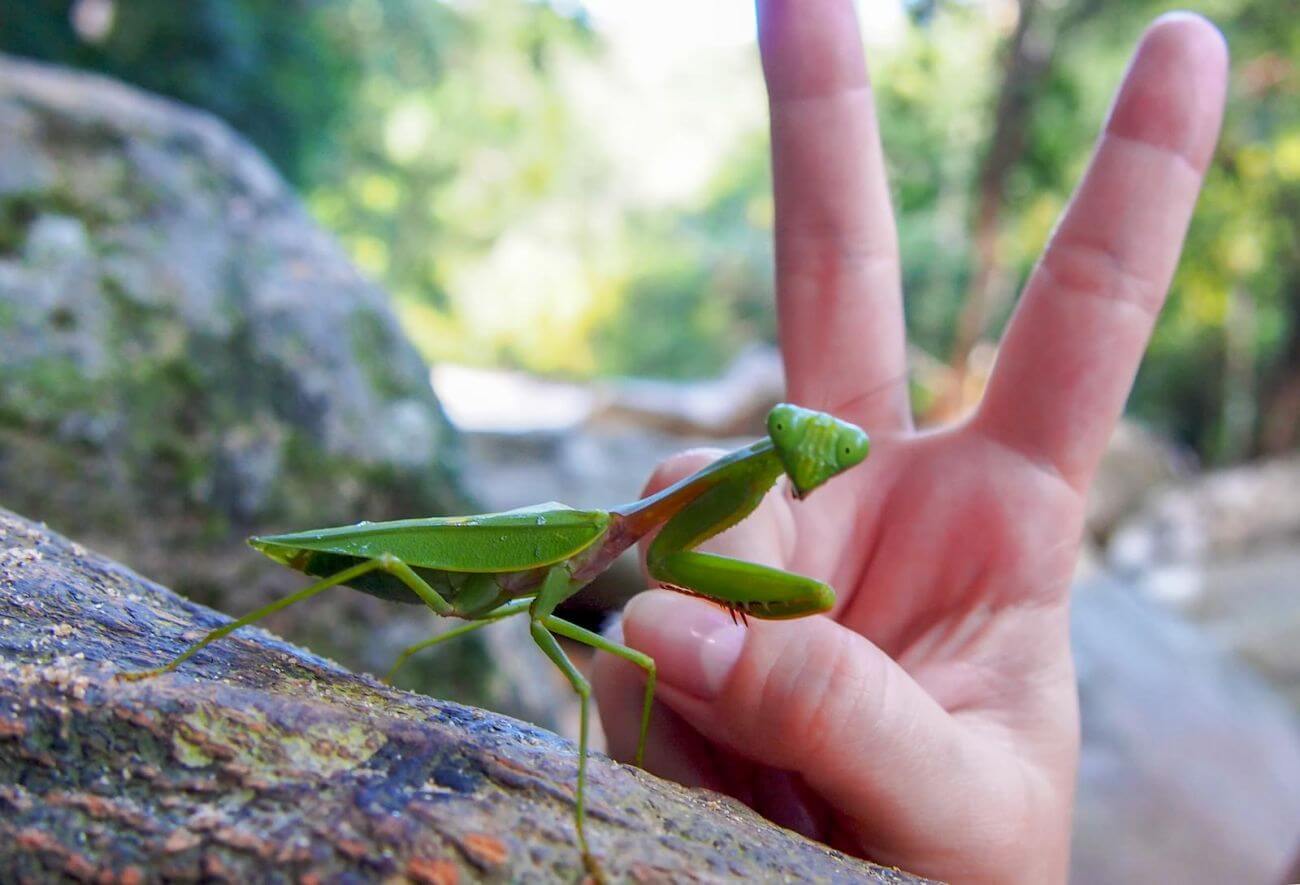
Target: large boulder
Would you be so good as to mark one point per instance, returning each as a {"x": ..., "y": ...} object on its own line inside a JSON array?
[
  {"x": 1190, "y": 769},
  {"x": 1223, "y": 549},
  {"x": 187, "y": 359}
]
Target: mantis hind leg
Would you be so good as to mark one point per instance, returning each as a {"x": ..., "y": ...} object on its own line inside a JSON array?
[
  {"x": 333, "y": 580},
  {"x": 510, "y": 608},
  {"x": 644, "y": 661},
  {"x": 390, "y": 564}
]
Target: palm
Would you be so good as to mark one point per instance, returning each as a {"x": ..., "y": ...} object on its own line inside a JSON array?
[
  {"x": 933, "y": 724},
  {"x": 949, "y": 526},
  {"x": 971, "y": 626}
]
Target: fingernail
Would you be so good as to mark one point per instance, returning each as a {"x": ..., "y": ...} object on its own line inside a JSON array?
[{"x": 695, "y": 645}]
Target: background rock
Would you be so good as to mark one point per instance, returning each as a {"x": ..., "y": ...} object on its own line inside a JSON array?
[
  {"x": 1136, "y": 463},
  {"x": 1223, "y": 548},
  {"x": 1190, "y": 770},
  {"x": 186, "y": 359}
]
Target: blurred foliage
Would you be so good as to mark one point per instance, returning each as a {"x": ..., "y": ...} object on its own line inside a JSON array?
[
  {"x": 1226, "y": 343},
  {"x": 514, "y": 177},
  {"x": 283, "y": 72}
]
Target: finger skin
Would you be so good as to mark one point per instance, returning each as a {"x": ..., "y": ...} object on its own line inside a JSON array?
[
  {"x": 813, "y": 697},
  {"x": 673, "y": 749},
  {"x": 1069, "y": 356},
  {"x": 837, "y": 272}
]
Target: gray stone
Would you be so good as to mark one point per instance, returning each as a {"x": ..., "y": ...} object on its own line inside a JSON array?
[
  {"x": 1190, "y": 770},
  {"x": 1135, "y": 463},
  {"x": 1251, "y": 606},
  {"x": 186, "y": 359}
]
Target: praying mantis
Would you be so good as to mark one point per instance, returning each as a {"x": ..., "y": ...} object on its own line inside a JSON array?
[{"x": 493, "y": 566}]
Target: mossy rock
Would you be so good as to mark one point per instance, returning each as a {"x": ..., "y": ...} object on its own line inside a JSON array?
[{"x": 186, "y": 359}]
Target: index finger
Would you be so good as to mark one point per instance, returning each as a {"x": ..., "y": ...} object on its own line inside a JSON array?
[{"x": 837, "y": 273}]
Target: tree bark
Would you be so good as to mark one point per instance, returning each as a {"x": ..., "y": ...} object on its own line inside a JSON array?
[{"x": 258, "y": 761}]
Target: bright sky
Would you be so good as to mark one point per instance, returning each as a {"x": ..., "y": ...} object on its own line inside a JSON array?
[
  {"x": 680, "y": 24},
  {"x": 683, "y": 26},
  {"x": 686, "y": 67}
]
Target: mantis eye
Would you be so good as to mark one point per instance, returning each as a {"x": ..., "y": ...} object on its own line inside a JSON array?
[
  {"x": 853, "y": 446},
  {"x": 783, "y": 424}
]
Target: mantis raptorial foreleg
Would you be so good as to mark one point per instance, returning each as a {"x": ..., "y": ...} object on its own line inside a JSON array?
[
  {"x": 742, "y": 586},
  {"x": 563, "y": 628},
  {"x": 746, "y": 586},
  {"x": 387, "y": 563}
]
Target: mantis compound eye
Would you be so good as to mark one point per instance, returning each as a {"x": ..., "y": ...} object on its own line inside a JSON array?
[
  {"x": 851, "y": 446},
  {"x": 785, "y": 425}
]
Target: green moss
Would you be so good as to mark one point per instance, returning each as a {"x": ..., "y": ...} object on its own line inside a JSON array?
[
  {"x": 372, "y": 345},
  {"x": 189, "y": 754},
  {"x": 19, "y": 211},
  {"x": 40, "y": 392},
  {"x": 16, "y": 216}
]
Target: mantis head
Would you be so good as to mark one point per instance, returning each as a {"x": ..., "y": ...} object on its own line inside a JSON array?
[{"x": 814, "y": 446}]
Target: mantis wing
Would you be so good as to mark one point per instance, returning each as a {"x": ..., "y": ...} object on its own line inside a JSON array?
[{"x": 515, "y": 540}]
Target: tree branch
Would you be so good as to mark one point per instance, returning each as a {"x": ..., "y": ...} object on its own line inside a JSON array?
[{"x": 259, "y": 761}]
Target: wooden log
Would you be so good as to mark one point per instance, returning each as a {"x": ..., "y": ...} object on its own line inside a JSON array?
[{"x": 258, "y": 761}]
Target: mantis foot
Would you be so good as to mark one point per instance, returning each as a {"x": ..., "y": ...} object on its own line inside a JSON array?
[
  {"x": 593, "y": 868},
  {"x": 141, "y": 675}
]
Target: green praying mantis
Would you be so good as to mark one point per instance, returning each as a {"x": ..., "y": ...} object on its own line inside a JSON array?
[{"x": 489, "y": 567}]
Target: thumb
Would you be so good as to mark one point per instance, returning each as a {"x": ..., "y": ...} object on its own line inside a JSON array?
[{"x": 813, "y": 697}]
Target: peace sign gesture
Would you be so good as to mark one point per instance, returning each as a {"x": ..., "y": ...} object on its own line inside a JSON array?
[{"x": 932, "y": 721}]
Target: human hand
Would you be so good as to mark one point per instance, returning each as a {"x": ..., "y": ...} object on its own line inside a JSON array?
[{"x": 932, "y": 721}]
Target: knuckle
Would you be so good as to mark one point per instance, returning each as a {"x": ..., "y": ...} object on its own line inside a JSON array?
[
  {"x": 822, "y": 252},
  {"x": 816, "y": 693},
  {"x": 1084, "y": 269}
]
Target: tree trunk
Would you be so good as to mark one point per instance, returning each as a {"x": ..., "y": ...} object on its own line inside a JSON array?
[
  {"x": 1280, "y": 427},
  {"x": 1028, "y": 56},
  {"x": 1028, "y": 62},
  {"x": 258, "y": 761}
]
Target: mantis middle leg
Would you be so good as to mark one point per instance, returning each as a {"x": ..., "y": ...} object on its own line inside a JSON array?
[
  {"x": 644, "y": 661},
  {"x": 557, "y": 587},
  {"x": 513, "y": 607}
]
